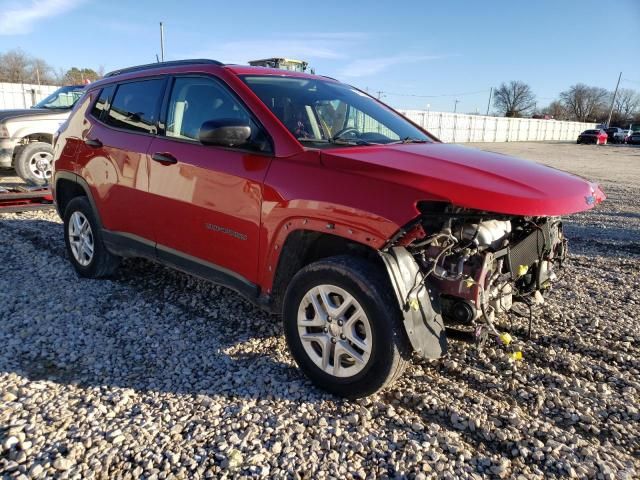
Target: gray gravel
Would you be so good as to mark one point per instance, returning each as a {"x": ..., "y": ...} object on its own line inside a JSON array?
[{"x": 155, "y": 374}]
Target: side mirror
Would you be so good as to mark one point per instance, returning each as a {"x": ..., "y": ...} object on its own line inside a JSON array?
[{"x": 226, "y": 132}]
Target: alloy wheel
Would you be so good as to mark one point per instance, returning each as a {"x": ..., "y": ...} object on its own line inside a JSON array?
[
  {"x": 81, "y": 238},
  {"x": 335, "y": 331}
]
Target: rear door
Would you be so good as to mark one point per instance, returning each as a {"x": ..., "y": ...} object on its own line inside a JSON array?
[
  {"x": 207, "y": 199},
  {"x": 113, "y": 155}
]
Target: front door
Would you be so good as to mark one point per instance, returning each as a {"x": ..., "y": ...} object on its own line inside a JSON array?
[{"x": 207, "y": 199}]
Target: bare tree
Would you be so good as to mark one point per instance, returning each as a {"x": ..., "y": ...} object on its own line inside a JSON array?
[
  {"x": 585, "y": 103},
  {"x": 15, "y": 67},
  {"x": 556, "y": 110},
  {"x": 514, "y": 99},
  {"x": 627, "y": 103},
  {"x": 41, "y": 72}
]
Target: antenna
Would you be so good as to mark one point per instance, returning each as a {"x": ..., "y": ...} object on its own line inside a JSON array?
[{"x": 161, "y": 42}]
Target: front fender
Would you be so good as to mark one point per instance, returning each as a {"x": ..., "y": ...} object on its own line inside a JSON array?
[
  {"x": 42, "y": 129},
  {"x": 355, "y": 226}
]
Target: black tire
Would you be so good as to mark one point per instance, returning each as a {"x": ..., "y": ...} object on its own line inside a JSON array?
[
  {"x": 103, "y": 263},
  {"x": 370, "y": 287},
  {"x": 26, "y": 156}
]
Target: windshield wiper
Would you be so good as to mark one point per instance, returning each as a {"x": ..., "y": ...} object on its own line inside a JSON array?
[
  {"x": 337, "y": 141},
  {"x": 408, "y": 140}
]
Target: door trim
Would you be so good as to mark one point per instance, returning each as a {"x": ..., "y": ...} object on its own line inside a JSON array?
[{"x": 128, "y": 245}]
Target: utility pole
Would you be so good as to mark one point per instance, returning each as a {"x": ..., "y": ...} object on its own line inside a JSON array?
[
  {"x": 161, "y": 42},
  {"x": 380, "y": 92},
  {"x": 489, "y": 102},
  {"x": 613, "y": 100},
  {"x": 455, "y": 105}
]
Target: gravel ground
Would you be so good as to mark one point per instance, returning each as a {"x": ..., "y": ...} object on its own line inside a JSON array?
[{"x": 155, "y": 374}]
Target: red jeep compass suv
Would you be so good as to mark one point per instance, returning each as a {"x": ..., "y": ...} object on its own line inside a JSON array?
[{"x": 315, "y": 201}]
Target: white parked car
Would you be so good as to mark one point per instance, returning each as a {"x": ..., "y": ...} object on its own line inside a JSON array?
[{"x": 26, "y": 135}]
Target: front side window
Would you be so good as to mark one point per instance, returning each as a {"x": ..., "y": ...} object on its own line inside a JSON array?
[
  {"x": 327, "y": 113},
  {"x": 195, "y": 100},
  {"x": 135, "y": 106}
]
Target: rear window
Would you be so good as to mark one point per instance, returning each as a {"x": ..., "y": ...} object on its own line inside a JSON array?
[
  {"x": 593, "y": 132},
  {"x": 135, "y": 106},
  {"x": 102, "y": 103}
]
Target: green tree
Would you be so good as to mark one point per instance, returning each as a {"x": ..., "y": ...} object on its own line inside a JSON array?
[{"x": 78, "y": 76}]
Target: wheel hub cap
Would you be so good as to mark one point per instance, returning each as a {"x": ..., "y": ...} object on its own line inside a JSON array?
[
  {"x": 40, "y": 165},
  {"x": 335, "y": 331}
]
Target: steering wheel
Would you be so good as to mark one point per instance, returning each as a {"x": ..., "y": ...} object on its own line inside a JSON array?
[{"x": 344, "y": 131}]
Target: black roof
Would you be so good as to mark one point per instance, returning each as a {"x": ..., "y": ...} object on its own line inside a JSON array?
[{"x": 173, "y": 63}]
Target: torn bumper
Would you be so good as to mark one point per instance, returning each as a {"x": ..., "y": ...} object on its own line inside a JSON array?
[{"x": 421, "y": 318}]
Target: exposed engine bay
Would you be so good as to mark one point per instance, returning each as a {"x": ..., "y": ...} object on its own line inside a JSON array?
[{"x": 472, "y": 266}]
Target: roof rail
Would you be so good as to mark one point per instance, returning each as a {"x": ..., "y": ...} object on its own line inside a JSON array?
[{"x": 173, "y": 63}]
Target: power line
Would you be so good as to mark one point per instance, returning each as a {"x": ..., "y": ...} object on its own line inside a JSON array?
[{"x": 435, "y": 96}]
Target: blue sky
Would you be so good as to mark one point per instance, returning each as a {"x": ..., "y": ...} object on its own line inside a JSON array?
[{"x": 411, "y": 50}]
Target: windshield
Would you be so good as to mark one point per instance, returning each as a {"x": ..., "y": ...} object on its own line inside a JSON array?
[
  {"x": 63, "y": 98},
  {"x": 326, "y": 113}
]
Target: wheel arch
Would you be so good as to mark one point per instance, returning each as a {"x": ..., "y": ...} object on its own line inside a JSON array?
[
  {"x": 37, "y": 137},
  {"x": 66, "y": 187},
  {"x": 303, "y": 246},
  {"x": 24, "y": 137}
]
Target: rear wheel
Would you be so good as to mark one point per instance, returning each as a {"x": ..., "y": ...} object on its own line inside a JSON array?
[
  {"x": 83, "y": 239},
  {"x": 344, "y": 327},
  {"x": 34, "y": 163}
]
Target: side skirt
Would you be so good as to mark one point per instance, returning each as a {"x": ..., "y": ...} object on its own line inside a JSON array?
[{"x": 128, "y": 245}]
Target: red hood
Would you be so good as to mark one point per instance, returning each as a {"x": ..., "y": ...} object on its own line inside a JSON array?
[{"x": 471, "y": 178}]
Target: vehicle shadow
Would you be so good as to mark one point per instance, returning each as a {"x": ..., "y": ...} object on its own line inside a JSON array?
[{"x": 148, "y": 328}]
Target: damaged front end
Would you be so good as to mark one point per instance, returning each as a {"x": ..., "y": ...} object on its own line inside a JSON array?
[{"x": 459, "y": 268}]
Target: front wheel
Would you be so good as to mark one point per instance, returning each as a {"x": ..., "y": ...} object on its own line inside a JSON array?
[
  {"x": 34, "y": 163},
  {"x": 344, "y": 327}
]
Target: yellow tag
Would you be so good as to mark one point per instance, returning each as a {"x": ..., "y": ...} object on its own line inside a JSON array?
[
  {"x": 506, "y": 338},
  {"x": 413, "y": 303},
  {"x": 517, "y": 356},
  {"x": 469, "y": 282},
  {"x": 522, "y": 270}
]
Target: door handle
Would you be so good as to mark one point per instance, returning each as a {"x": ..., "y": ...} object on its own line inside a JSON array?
[
  {"x": 93, "y": 142},
  {"x": 165, "y": 158}
]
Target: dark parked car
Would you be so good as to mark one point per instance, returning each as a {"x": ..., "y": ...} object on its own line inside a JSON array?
[
  {"x": 634, "y": 138},
  {"x": 598, "y": 137}
]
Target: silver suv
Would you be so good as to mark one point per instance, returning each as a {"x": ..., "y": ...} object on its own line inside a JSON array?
[{"x": 26, "y": 135}]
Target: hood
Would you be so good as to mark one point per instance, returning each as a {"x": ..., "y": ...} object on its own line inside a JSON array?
[
  {"x": 29, "y": 112},
  {"x": 471, "y": 178}
]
